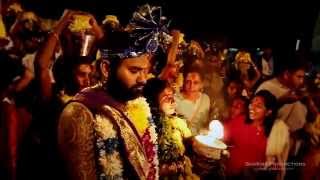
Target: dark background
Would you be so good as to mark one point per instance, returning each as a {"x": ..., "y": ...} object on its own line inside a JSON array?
[{"x": 245, "y": 24}]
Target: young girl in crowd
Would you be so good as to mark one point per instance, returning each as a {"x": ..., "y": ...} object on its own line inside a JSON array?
[
  {"x": 172, "y": 132},
  {"x": 248, "y": 136}
]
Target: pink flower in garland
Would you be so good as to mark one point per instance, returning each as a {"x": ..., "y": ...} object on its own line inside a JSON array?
[{"x": 150, "y": 149}]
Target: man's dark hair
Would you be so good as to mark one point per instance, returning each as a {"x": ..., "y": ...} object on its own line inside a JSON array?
[
  {"x": 115, "y": 41},
  {"x": 193, "y": 69},
  {"x": 63, "y": 72},
  {"x": 151, "y": 92},
  {"x": 291, "y": 62}
]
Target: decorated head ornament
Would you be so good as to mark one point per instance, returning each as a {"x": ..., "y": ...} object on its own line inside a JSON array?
[
  {"x": 80, "y": 23},
  {"x": 146, "y": 32},
  {"x": 243, "y": 57}
]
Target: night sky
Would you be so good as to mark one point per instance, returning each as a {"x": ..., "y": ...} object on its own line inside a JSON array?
[{"x": 258, "y": 24}]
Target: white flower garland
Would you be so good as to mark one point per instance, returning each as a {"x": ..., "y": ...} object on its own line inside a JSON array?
[
  {"x": 138, "y": 111},
  {"x": 109, "y": 159}
]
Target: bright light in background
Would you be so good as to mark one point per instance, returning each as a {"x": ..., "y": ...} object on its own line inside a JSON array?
[
  {"x": 298, "y": 44},
  {"x": 212, "y": 138},
  {"x": 216, "y": 129}
]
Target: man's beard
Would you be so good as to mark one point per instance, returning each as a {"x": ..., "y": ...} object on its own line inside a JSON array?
[{"x": 121, "y": 92}]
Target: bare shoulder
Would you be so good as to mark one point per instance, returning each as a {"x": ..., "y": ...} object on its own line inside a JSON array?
[{"x": 76, "y": 141}]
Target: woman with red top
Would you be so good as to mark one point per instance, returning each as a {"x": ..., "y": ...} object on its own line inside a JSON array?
[{"x": 248, "y": 137}]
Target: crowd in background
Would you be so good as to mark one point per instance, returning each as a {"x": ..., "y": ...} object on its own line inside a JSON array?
[{"x": 270, "y": 109}]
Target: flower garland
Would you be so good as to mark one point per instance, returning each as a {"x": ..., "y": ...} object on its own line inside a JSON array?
[
  {"x": 174, "y": 130},
  {"x": 139, "y": 113},
  {"x": 173, "y": 160},
  {"x": 107, "y": 143}
]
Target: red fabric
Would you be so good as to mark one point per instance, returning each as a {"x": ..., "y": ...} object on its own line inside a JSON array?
[
  {"x": 14, "y": 123},
  {"x": 9, "y": 139},
  {"x": 248, "y": 145}
]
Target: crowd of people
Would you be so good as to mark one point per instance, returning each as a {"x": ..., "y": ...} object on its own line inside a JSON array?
[{"x": 82, "y": 99}]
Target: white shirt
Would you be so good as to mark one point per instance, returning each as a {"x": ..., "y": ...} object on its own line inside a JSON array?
[
  {"x": 187, "y": 109},
  {"x": 294, "y": 114},
  {"x": 267, "y": 67}
]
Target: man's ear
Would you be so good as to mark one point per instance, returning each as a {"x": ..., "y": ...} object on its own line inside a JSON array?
[{"x": 104, "y": 68}]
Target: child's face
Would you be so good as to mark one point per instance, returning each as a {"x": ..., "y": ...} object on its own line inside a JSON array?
[
  {"x": 237, "y": 107},
  {"x": 166, "y": 101}
]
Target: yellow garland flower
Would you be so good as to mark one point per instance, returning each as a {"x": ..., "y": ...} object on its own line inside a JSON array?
[
  {"x": 182, "y": 126},
  {"x": 104, "y": 128},
  {"x": 80, "y": 23},
  {"x": 110, "y": 18},
  {"x": 112, "y": 169},
  {"x": 3, "y": 33},
  {"x": 181, "y": 38},
  {"x": 16, "y": 7},
  {"x": 243, "y": 57},
  {"x": 138, "y": 112}
]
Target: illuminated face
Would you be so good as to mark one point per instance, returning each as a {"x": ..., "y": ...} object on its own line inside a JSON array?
[
  {"x": 193, "y": 83},
  {"x": 297, "y": 79},
  {"x": 244, "y": 66},
  {"x": 29, "y": 20},
  {"x": 132, "y": 74},
  {"x": 257, "y": 109},
  {"x": 166, "y": 101},
  {"x": 82, "y": 75}
]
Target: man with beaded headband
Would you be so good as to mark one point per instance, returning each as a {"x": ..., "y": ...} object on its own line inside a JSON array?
[{"x": 106, "y": 132}]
